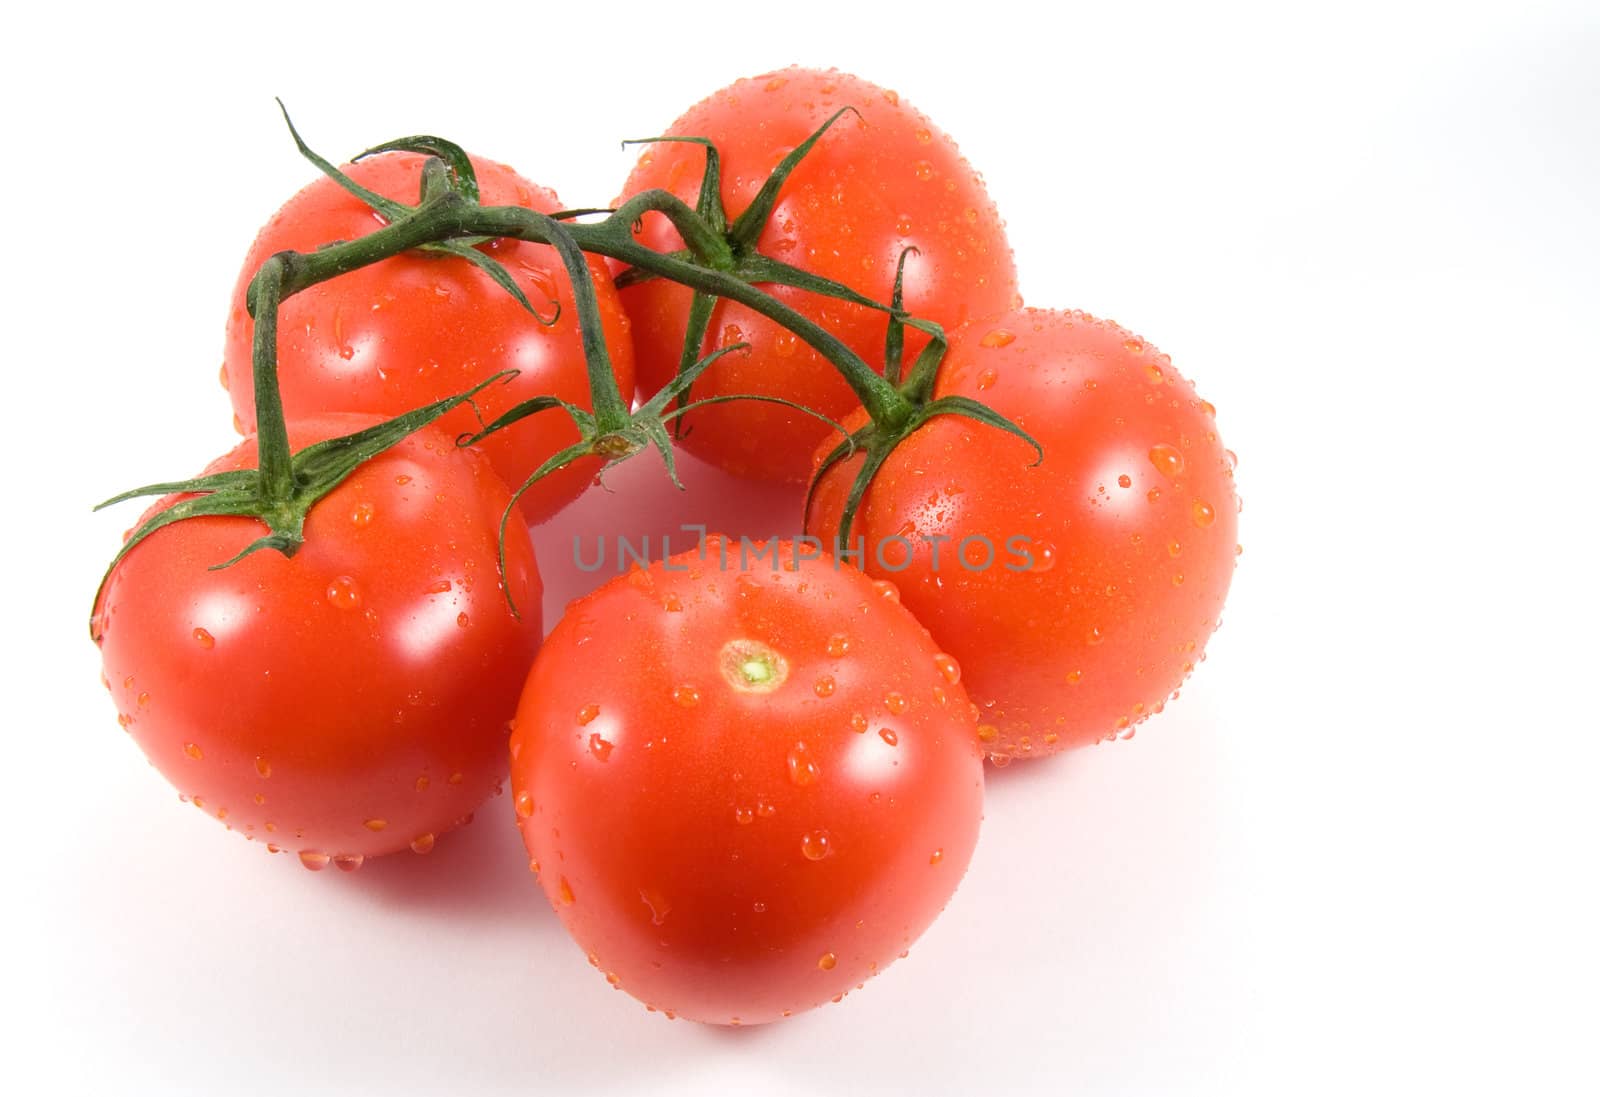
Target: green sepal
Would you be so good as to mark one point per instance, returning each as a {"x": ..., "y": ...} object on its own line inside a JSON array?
[
  {"x": 502, "y": 277},
  {"x": 968, "y": 408},
  {"x": 388, "y": 207},
  {"x": 453, "y": 155},
  {"x": 708, "y": 204},
  {"x": 523, "y": 410},
  {"x": 697, "y": 324},
  {"x": 755, "y": 268},
  {"x": 748, "y": 227},
  {"x": 558, "y": 460},
  {"x": 894, "y": 342}
]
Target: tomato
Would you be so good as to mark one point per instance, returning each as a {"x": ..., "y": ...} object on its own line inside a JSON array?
[
  {"x": 745, "y": 790},
  {"x": 873, "y": 186},
  {"x": 1107, "y": 563},
  {"x": 419, "y": 327},
  {"x": 349, "y": 700}
]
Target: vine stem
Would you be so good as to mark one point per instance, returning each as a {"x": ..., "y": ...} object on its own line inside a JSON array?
[{"x": 450, "y": 216}]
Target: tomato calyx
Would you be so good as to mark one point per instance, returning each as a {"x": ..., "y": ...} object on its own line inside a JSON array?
[
  {"x": 645, "y": 428},
  {"x": 283, "y": 487},
  {"x": 879, "y": 437},
  {"x": 712, "y": 243},
  {"x": 448, "y": 168}
]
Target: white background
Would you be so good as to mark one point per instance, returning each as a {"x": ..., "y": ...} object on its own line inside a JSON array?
[{"x": 1359, "y": 855}]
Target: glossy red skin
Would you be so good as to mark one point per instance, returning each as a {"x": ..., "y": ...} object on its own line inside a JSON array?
[
  {"x": 1085, "y": 647},
  {"x": 303, "y": 718},
  {"x": 661, "y": 830},
  {"x": 418, "y": 327},
  {"x": 873, "y": 186}
]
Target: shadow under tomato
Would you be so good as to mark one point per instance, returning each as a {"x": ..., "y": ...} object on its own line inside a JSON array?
[
  {"x": 1017, "y": 773},
  {"x": 578, "y": 549},
  {"x": 474, "y": 874}
]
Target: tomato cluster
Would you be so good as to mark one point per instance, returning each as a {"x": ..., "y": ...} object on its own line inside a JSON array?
[{"x": 748, "y": 776}]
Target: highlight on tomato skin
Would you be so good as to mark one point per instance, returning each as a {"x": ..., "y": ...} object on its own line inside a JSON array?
[
  {"x": 351, "y": 700},
  {"x": 878, "y": 182},
  {"x": 419, "y": 327},
  {"x": 1129, "y": 521},
  {"x": 745, "y": 790}
]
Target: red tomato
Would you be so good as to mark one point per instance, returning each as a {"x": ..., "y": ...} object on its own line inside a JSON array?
[
  {"x": 873, "y": 186},
  {"x": 419, "y": 327},
  {"x": 349, "y": 700},
  {"x": 1128, "y": 526},
  {"x": 745, "y": 791}
]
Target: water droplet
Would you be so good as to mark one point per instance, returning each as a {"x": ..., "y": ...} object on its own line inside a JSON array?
[
  {"x": 1154, "y": 494},
  {"x": 997, "y": 337},
  {"x": 1044, "y": 557},
  {"x": 348, "y": 862},
  {"x": 895, "y": 703},
  {"x": 803, "y": 769},
  {"x": 524, "y": 804},
  {"x": 1095, "y": 635},
  {"x": 1174, "y": 548},
  {"x": 422, "y": 843},
  {"x": 313, "y": 860},
  {"x": 1209, "y": 408},
  {"x": 1177, "y": 579},
  {"x": 759, "y": 907},
  {"x": 402, "y": 480},
  {"x": 263, "y": 767},
  {"x": 923, "y": 170},
  {"x": 462, "y": 620},
  {"x": 686, "y": 695},
  {"x": 888, "y": 736},
  {"x": 938, "y": 855},
  {"x": 1124, "y": 481},
  {"x": 1238, "y": 550},
  {"x": 988, "y": 733},
  {"x": 923, "y": 135},
  {"x": 343, "y": 593},
  {"x": 587, "y": 713},
  {"x": 744, "y": 816},
  {"x": 858, "y": 722},
  {"x": 824, "y": 686},
  {"x": 948, "y": 667},
  {"x": 204, "y": 639},
  {"x": 375, "y": 825},
  {"x": 766, "y": 810},
  {"x": 1154, "y": 375},
  {"x": 886, "y": 590},
  {"x": 457, "y": 778},
  {"x": 1168, "y": 460},
  {"x": 838, "y": 644},
  {"x": 776, "y": 82},
  {"x": 826, "y": 961},
  {"x": 999, "y": 761},
  {"x": 1202, "y": 513},
  {"x": 441, "y": 587},
  {"x": 1231, "y": 458},
  {"x": 194, "y": 751},
  {"x": 564, "y": 892},
  {"x": 815, "y": 845},
  {"x": 600, "y": 748},
  {"x": 361, "y": 514},
  {"x": 986, "y": 380},
  {"x": 422, "y": 783}
]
